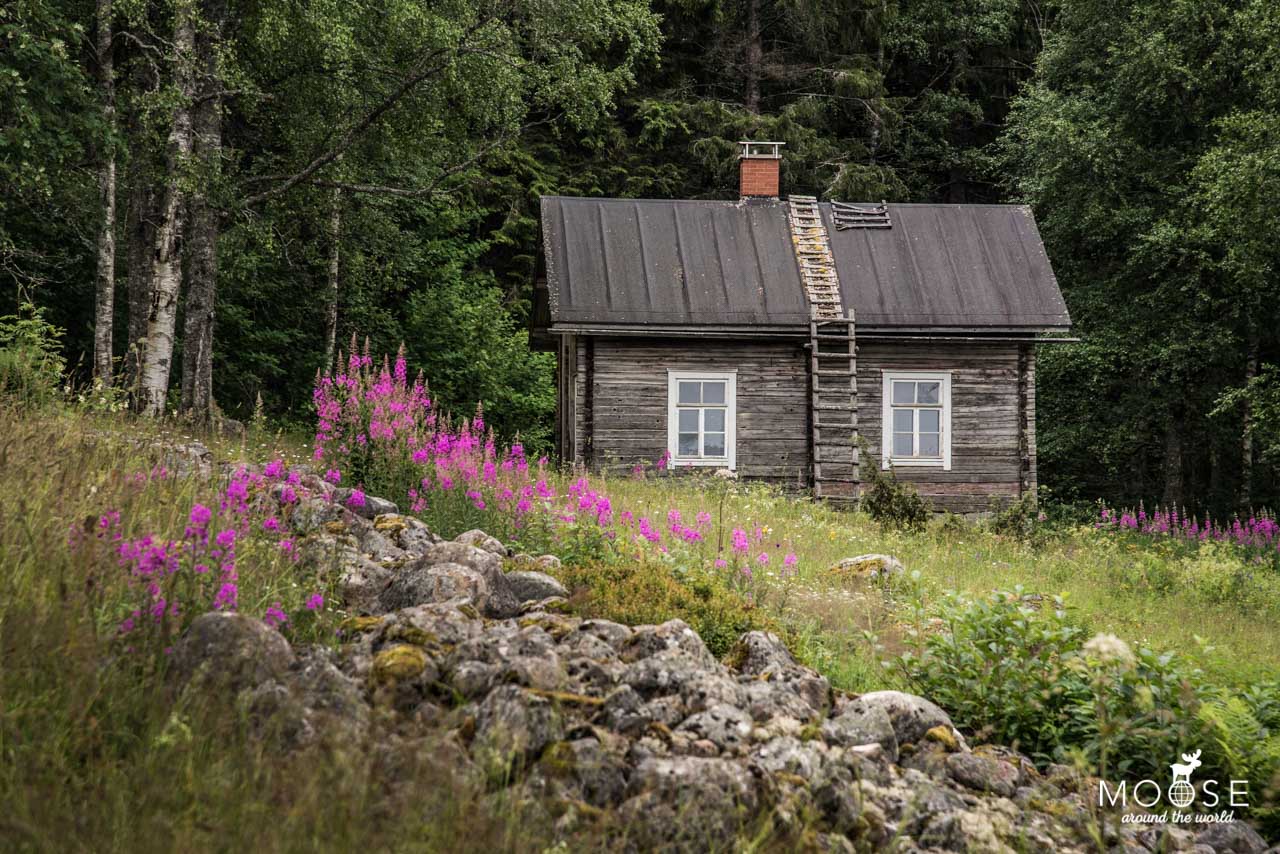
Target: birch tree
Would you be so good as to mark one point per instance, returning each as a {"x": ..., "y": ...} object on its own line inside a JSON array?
[
  {"x": 105, "y": 284},
  {"x": 157, "y": 353}
]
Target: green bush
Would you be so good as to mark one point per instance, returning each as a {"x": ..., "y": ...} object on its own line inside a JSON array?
[
  {"x": 1022, "y": 520},
  {"x": 31, "y": 364},
  {"x": 895, "y": 505},
  {"x": 1018, "y": 670},
  {"x": 646, "y": 592}
]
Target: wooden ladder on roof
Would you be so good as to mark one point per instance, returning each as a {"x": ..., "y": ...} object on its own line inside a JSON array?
[
  {"x": 813, "y": 254},
  {"x": 833, "y": 358},
  {"x": 833, "y": 402}
]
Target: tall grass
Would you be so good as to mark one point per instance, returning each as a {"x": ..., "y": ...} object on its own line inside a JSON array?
[{"x": 96, "y": 752}]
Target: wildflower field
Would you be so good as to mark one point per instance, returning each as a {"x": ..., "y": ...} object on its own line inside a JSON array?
[{"x": 110, "y": 547}]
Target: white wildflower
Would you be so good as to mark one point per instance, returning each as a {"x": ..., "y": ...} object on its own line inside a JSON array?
[{"x": 1109, "y": 649}]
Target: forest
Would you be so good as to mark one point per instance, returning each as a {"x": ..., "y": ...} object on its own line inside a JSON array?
[{"x": 211, "y": 197}]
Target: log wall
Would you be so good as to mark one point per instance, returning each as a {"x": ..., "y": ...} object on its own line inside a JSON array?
[{"x": 613, "y": 408}]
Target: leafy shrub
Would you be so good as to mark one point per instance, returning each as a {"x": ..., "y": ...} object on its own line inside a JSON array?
[
  {"x": 895, "y": 505},
  {"x": 1244, "y": 732},
  {"x": 31, "y": 363},
  {"x": 1022, "y": 520},
  {"x": 1019, "y": 670},
  {"x": 640, "y": 592}
]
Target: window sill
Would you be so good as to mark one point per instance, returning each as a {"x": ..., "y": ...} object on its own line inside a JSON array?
[
  {"x": 915, "y": 462},
  {"x": 717, "y": 462}
]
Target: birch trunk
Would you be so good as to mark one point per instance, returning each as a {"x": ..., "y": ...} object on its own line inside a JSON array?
[
  {"x": 157, "y": 355},
  {"x": 202, "y": 261},
  {"x": 331, "y": 308},
  {"x": 105, "y": 283}
]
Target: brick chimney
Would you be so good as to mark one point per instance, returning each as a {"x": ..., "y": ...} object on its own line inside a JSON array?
[{"x": 759, "y": 169}]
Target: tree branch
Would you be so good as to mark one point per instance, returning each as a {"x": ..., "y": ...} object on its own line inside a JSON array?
[{"x": 426, "y": 66}]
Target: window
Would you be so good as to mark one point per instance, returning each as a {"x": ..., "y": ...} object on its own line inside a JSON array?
[
  {"x": 701, "y": 418},
  {"x": 917, "y": 419}
]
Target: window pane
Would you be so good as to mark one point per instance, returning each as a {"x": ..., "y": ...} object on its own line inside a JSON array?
[
  {"x": 713, "y": 444},
  {"x": 928, "y": 392},
  {"x": 688, "y": 445},
  {"x": 930, "y": 419},
  {"x": 688, "y": 421},
  {"x": 902, "y": 444},
  {"x": 929, "y": 445},
  {"x": 689, "y": 393},
  {"x": 902, "y": 421},
  {"x": 713, "y": 420},
  {"x": 713, "y": 392},
  {"x": 904, "y": 392}
]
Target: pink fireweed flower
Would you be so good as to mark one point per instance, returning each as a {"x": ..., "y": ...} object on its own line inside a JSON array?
[
  {"x": 271, "y": 524},
  {"x": 226, "y": 598},
  {"x": 790, "y": 559},
  {"x": 275, "y": 616},
  {"x": 704, "y": 518},
  {"x": 333, "y": 476},
  {"x": 356, "y": 499},
  {"x": 226, "y": 539},
  {"x": 315, "y": 602},
  {"x": 275, "y": 468},
  {"x": 740, "y": 541},
  {"x": 721, "y": 563},
  {"x": 762, "y": 558}
]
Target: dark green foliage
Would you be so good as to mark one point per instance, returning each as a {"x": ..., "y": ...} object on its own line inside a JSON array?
[
  {"x": 31, "y": 364},
  {"x": 892, "y": 503}
]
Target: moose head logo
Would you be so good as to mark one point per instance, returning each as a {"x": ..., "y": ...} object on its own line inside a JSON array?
[{"x": 1182, "y": 771}]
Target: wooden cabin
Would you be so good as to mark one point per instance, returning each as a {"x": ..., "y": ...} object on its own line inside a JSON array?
[{"x": 765, "y": 335}]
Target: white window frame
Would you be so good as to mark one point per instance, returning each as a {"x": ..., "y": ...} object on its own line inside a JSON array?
[
  {"x": 886, "y": 419},
  {"x": 730, "y": 379}
]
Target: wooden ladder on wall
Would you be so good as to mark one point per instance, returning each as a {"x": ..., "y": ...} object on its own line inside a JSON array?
[{"x": 833, "y": 400}]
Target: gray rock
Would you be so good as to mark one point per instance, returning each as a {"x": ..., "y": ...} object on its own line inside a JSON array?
[
  {"x": 501, "y": 602},
  {"x": 671, "y": 636},
  {"x": 863, "y": 723},
  {"x": 684, "y": 803},
  {"x": 482, "y": 541},
  {"x": 513, "y": 726},
  {"x": 727, "y": 727},
  {"x": 982, "y": 773},
  {"x": 910, "y": 715},
  {"x": 371, "y": 506},
  {"x": 529, "y": 586},
  {"x": 422, "y": 583},
  {"x": 230, "y": 652},
  {"x": 761, "y": 652},
  {"x": 1236, "y": 837},
  {"x": 871, "y": 566},
  {"x": 592, "y": 774}
]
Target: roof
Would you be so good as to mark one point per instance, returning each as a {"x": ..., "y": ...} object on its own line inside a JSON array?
[{"x": 631, "y": 263}]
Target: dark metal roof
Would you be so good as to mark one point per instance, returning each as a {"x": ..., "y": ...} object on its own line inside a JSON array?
[{"x": 629, "y": 263}]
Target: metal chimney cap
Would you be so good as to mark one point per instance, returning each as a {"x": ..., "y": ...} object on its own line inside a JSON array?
[{"x": 761, "y": 150}]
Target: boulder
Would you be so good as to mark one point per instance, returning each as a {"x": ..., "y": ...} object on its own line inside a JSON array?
[
  {"x": 983, "y": 774},
  {"x": 513, "y": 726},
  {"x": 502, "y": 602},
  {"x": 862, "y": 723},
  {"x": 911, "y": 716},
  {"x": 1236, "y": 837},
  {"x": 727, "y": 727},
  {"x": 530, "y": 586},
  {"x": 684, "y": 803},
  {"x": 230, "y": 652},
  {"x": 422, "y": 583},
  {"x": 482, "y": 541},
  {"x": 869, "y": 566}
]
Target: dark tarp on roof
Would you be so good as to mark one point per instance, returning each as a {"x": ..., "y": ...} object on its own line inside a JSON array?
[{"x": 629, "y": 263}]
